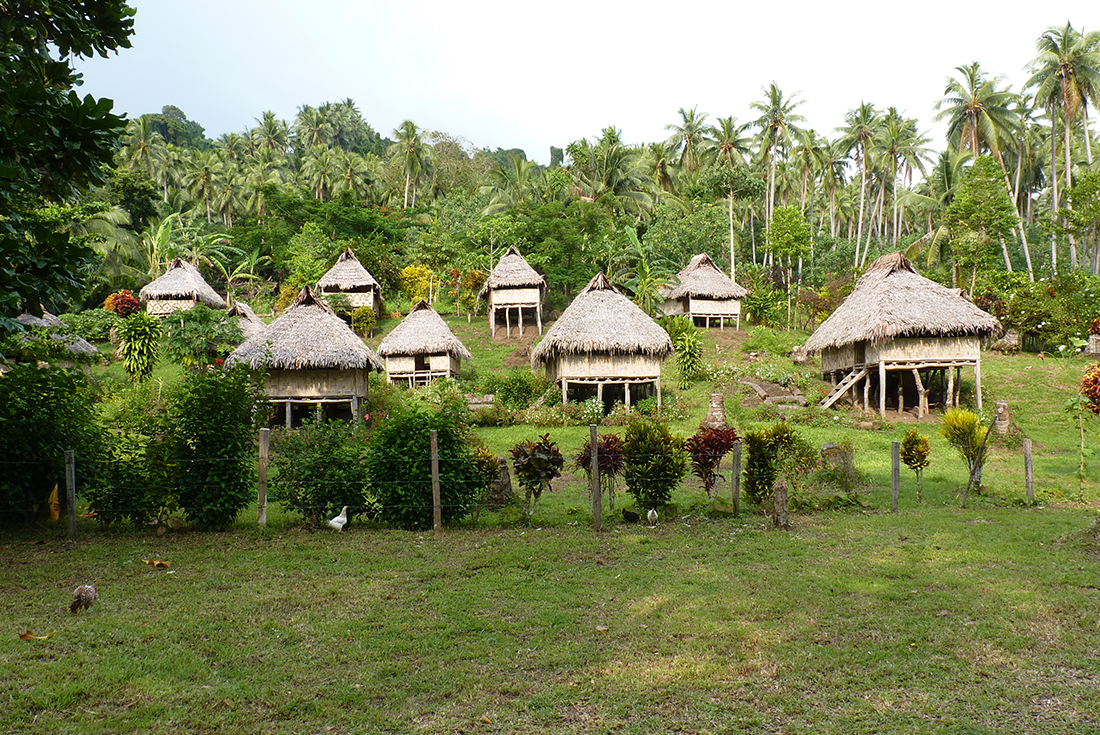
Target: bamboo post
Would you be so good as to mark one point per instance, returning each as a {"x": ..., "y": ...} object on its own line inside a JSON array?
[
  {"x": 735, "y": 477},
  {"x": 1029, "y": 475},
  {"x": 261, "y": 487},
  {"x": 895, "y": 475},
  {"x": 882, "y": 388},
  {"x": 70, "y": 490},
  {"x": 597, "y": 500},
  {"x": 437, "y": 510}
]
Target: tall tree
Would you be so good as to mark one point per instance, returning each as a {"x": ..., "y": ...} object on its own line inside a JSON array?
[
  {"x": 857, "y": 134},
  {"x": 689, "y": 138},
  {"x": 979, "y": 115},
  {"x": 778, "y": 124},
  {"x": 414, "y": 154}
]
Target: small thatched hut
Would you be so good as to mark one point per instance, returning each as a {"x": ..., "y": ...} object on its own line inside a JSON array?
[
  {"x": 898, "y": 324},
  {"x": 513, "y": 284},
  {"x": 422, "y": 348},
  {"x": 350, "y": 278},
  {"x": 310, "y": 357},
  {"x": 180, "y": 288},
  {"x": 604, "y": 341},
  {"x": 247, "y": 320},
  {"x": 704, "y": 292}
]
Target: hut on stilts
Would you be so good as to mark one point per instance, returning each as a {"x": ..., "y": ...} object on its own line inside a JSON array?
[
  {"x": 350, "y": 278},
  {"x": 180, "y": 288},
  {"x": 603, "y": 344},
  {"x": 513, "y": 285},
  {"x": 422, "y": 348},
  {"x": 310, "y": 358},
  {"x": 704, "y": 292},
  {"x": 894, "y": 328}
]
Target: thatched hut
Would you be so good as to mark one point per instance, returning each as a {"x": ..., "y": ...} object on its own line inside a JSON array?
[
  {"x": 180, "y": 288},
  {"x": 247, "y": 320},
  {"x": 310, "y": 357},
  {"x": 896, "y": 325},
  {"x": 704, "y": 292},
  {"x": 350, "y": 278},
  {"x": 513, "y": 284},
  {"x": 422, "y": 348},
  {"x": 604, "y": 343}
]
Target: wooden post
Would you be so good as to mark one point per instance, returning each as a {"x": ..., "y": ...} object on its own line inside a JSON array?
[
  {"x": 626, "y": 390},
  {"x": 261, "y": 472},
  {"x": 508, "y": 321},
  {"x": 70, "y": 490},
  {"x": 1029, "y": 475},
  {"x": 949, "y": 399},
  {"x": 538, "y": 316},
  {"x": 735, "y": 477},
  {"x": 564, "y": 391},
  {"x": 866, "y": 393},
  {"x": 493, "y": 320},
  {"x": 895, "y": 475},
  {"x": 881, "y": 388},
  {"x": 520, "y": 317},
  {"x": 901, "y": 395},
  {"x": 597, "y": 500},
  {"x": 782, "y": 517},
  {"x": 599, "y": 391},
  {"x": 437, "y": 509},
  {"x": 658, "y": 392},
  {"x": 978, "y": 381},
  {"x": 922, "y": 400},
  {"x": 289, "y": 414}
]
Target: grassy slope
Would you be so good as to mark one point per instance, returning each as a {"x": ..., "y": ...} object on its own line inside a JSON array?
[{"x": 933, "y": 619}]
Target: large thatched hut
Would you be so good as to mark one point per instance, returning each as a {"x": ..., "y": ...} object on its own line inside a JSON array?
[
  {"x": 247, "y": 320},
  {"x": 513, "y": 285},
  {"x": 603, "y": 344},
  {"x": 704, "y": 292},
  {"x": 422, "y": 348},
  {"x": 180, "y": 288},
  {"x": 350, "y": 278},
  {"x": 895, "y": 326},
  {"x": 310, "y": 358}
]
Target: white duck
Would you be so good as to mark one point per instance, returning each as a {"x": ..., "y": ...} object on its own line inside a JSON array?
[
  {"x": 339, "y": 521},
  {"x": 652, "y": 516}
]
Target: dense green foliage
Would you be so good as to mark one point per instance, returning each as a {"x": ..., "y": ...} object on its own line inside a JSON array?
[
  {"x": 139, "y": 342},
  {"x": 94, "y": 325},
  {"x": 200, "y": 336},
  {"x": 213, "y": 416},
  {"x": 963, "y": 430},
  {"x": 654, "y": 462},
  {"x": 399, "y": 466},
  {"x": 318, "y": 469},
  {"x": 43, "y": 413},
  {"x": 535, "y": 465}
]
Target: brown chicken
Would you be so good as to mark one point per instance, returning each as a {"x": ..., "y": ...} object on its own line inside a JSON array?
[{"x": 83, "y": 597}]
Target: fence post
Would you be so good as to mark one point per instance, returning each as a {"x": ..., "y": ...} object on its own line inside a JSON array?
[
  {"x": 261, "y": 487},
  {"x": 437, "y": 510},
  {"x": 735, "y": 477},
  {"x": 1029, "y": 475},
  {"x": 70, "y": 489},
  {"x": 895, "y": 475},
  {"x": 597, "y": 500}
]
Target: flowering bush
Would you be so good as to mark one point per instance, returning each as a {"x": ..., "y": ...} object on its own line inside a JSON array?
[{"x": 122, "y": 303}]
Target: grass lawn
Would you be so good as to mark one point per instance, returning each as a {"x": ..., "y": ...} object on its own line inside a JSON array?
[{"x": 934, "y": 619}]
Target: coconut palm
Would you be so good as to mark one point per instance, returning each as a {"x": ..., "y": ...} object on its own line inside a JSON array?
[
  {"x": 834, "y": 169},
  {"x": 510, "y": 185},
  {"x": 143, "y": 148},
  {"x": 857, "y": 134},
  {"x": 979, "y": 115},
  {"x": 354, "y": 173},
  {"x": 311, "y": 129},
  {"x": 414, "y": 153},
  {"x": 689, "y": 138},
  {"x": 202, "y": 175},
  {"x": 271, "y": 134},
  {"x": 731, "y": 145},
  {"x": 901, "y": 150},
  {"x": 778, "y": 125}
]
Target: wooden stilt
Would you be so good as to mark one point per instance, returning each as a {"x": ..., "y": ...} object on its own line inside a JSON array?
[
  {"x": 626, "y": 390},
  {"x": 922, "y": 400},
  {"x": 508, "y": 321},
  {"x": 538, "y": 316},
  {"x": 564, "y": 391},
  {"x": 599, "y": 391},
  {"x": 901, "y": 394},
  {"x": 949, "y": 397},
  {"x": 866, "y": 393},
  {"x": 658, "y": 392},
  {"x": 493, "y": 320},
  {"x": 289, "y": 414},
  {"x": 978, "y": 382},
  {"x": 882, "y": 389},
  {"x": 958, "y": 386},
  {"x": 520, "y": 310}
]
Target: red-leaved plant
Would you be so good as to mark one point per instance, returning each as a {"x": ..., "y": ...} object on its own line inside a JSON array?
[
  {"x": 609, "y": 458},
  {"x": 706, "y": 449}
]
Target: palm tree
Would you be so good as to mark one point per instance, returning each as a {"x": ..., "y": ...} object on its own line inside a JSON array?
[
  {"x": 862, "y": 123},
  {"x": 1067, "y": 73},
  {"x": 689, "y": 138},
  {"x": 144, "y": 149},
  {"x": 611, "y": 173},
  {"x": 202, "y": 175},
  {"x": 320, "y": 171},
  {"x": 354, "y": 173},
  {"x": 731, "y": 145},
  {"x": 658, "y": 158},
  {"x": 901, "y": 149},
  {"x": 834, "y": 168},
  {"x": 979, "y": 116},
  {"x": 510, "y": 185},
  {"x": 778, "y": 124},
  {"x": 271, "y": 134},
  {"x": 311, "y": 128},
  {"x": 415, "y": 155}
]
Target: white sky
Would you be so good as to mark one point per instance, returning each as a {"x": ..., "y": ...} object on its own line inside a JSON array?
[{"x": 530, "y": 75}]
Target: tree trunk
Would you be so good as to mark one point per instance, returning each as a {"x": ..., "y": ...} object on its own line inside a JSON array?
[{"x": 859, "y": 228}]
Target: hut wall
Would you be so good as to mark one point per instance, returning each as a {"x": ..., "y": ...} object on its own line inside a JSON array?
[
  {"x": 320, "y": 383},
  {"x": 161, "y": 307},
  {"x": 359, "y": 298},
  {"x": 400, "y": 364},
  {"x": 441, "y": 363},
  {"x": 715, "y": 307},
  {"x": 573, "y": 367},
  {"x": 674, "y": 307},
  {"x": 964, "y": 349},
  {"x": 840, "y": 358},
  {"x": 514, "y": 297}
]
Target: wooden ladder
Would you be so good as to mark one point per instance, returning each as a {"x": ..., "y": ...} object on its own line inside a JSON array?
[{"x": 849, "y": 380}]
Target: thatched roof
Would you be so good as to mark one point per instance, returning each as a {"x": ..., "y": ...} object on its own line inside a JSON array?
[
  {"x": 73, "y": 342},
  {"x": 307, "y": 336},
  {"x": 512, "y": 271},
  {"x": 892, "y": 300},
  {"x": 182, "y": 281},
  {"x": 602, "y": 320},
  {"x": 422, "y": 332},
  {"x": 248, "y": 322},
  {"x": 347, "y": 275},
  {"x": 701, "y": 278}
]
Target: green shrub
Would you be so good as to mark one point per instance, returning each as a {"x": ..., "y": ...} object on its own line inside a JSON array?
[
  {"x": 137, "y": 480},
  {"x": 963, "y": 430},
  {"x": 766, "y": 339},
  {"x": 139, "y": 336},
  {"x": 774, "y": 451},
  {"x": 399, "y": 466},
  {"x": 363, "y": 320},
  {"x": 213, "y": 415},
  {"x": 94, "y": 325},
  {"x": 760, "y": 471},
  {"x": 609, "y": 460},
  {"x": 914, "y": 453},
  {"x": 516, "y": 389},
  {"x": 43, "y": 413},
  {"x": 536, "y": 464},
  {"x": 200, "y": 336},
  {"x": 655, "y": 463},
  {"x": 494, "y": 415},
  {"x": 319, "y": 468}
]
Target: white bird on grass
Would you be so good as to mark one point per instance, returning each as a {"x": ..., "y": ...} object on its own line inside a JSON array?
[
  {"x": 339, "y": 521},
  {"x": 652, "y": 516}
]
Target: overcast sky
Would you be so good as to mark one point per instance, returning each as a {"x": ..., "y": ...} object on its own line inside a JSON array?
[{"x": 532, "y": 75}]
